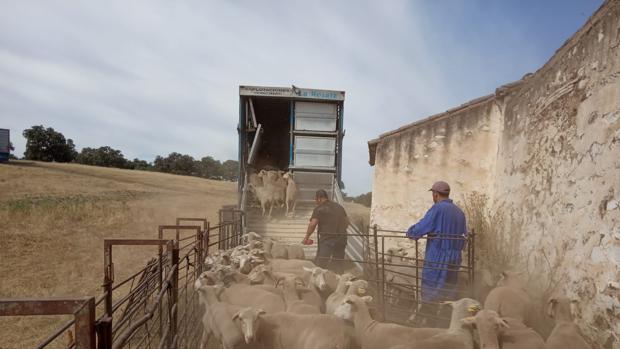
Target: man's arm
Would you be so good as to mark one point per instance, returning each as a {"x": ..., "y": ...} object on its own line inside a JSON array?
[
  {"x": 424, "y": 226},
  {"x": 311, "y": 227}
]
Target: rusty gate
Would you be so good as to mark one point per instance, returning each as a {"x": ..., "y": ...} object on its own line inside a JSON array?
[{"x": 155, "y": 307}]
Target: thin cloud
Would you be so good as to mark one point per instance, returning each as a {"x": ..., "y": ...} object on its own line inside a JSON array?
[{"x": 152, "y": 77}]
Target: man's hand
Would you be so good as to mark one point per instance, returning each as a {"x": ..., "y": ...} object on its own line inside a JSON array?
[{"x": 307, "y": 241}]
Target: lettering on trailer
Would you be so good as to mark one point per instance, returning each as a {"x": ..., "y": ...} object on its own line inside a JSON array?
[{"x": 290, "y": 92}]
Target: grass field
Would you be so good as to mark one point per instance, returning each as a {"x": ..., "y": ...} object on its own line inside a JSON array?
[{"x": 56, "y": 216}]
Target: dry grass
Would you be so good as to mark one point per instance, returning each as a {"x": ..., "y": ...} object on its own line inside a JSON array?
[
  {"x": 359, "y": 215},
  {"x": 56, "y": 216}
]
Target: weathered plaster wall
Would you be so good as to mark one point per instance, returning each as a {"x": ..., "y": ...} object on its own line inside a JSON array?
[
  {"x": 546, "y": 150},
  {"x": 459, "y": 147},
  {"x": 558, "y": 173}
]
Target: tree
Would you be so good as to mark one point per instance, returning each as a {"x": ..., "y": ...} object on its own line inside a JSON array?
[
  {"x": 176, "y": 163},
  {"x": 11, "y": 147},
  {"x": 210, "y": 168},
  {"x": 102, "y": 156},
  {"x": 138, "y": 164},
  {"x": 230, "y": 170},
  {"x": 45, "y": 144},
  {"x": 364, "y": 199}
]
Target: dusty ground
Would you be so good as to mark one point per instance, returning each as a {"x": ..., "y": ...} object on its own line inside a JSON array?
[{"x": 56, "y": 216}]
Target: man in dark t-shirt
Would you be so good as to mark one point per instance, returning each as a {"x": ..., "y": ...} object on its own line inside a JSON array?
[{"x": 332, "y": 220}]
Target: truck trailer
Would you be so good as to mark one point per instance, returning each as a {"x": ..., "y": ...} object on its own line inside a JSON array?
[
  {"x": 290, "y": 129},
  {"x": 5, "y": 144}
]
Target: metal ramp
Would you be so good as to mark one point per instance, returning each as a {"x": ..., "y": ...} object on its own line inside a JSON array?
[{"x": 281, "y": 228}]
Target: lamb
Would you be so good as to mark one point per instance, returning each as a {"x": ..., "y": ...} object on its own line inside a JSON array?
[
  {"x": 287, "y": 330},
  {"x": 291, "y": 194},
  {"x": 248, "y": 296},
  {"x": 565, "y": 334},
  {"x": 335, "y": 299},
  {"x": 457, "y": 336},
  {"x": 510, "y": 299},
  {"x": 324, "y": 280},
  {"x": 512, "y": 333},
  {"x": 373, "y": 334},
  {"x": 294, "y": 304}
]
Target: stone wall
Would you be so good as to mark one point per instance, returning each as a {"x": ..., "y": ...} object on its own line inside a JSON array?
[{"x": 546, "y": 151}]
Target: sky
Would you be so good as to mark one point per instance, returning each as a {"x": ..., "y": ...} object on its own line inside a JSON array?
[{"x": 159, "y": 76}]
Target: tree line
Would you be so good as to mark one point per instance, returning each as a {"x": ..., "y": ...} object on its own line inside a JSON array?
[{"x": 47, "y": 144}]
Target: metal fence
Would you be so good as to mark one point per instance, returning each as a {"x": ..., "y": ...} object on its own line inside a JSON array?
[
  {"x": 396, "y": 279},
  {"x": 155, "y": 307}
]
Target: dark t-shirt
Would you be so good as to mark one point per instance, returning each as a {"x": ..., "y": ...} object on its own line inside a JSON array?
[{"x": 332, "y": 219}]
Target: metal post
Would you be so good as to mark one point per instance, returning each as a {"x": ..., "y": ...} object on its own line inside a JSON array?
[
  {"x": 85, "y": 325},
  {"x": 376, "y": 241},
  {"x": 207, "y": 238},
  {"x": 173, "y": 301},
  {"x": 383, "y": 276},
  {"x": 418, "y": 282},
  {"x": 198, "y": 259}
]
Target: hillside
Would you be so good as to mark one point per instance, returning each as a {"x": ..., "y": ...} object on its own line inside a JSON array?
[{"x": 56, "y": 216}]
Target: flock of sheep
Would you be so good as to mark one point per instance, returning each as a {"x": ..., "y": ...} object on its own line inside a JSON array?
[
  {"x": 274, "y": 187},
  {"x": 264, "y": 294}
]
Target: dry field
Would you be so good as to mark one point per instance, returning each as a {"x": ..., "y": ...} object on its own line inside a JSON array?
[{"x": 56, "y": 216}]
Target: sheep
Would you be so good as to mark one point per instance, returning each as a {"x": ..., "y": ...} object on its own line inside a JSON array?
[
  {"x": 373, "y": 334},
  {"x": 218, "y": 320},
  {"x": 288, "y": 331},
  {"x": 265, "y": 196},
  {"x": 294, "y": 304},
  {"x": 457, "y": 336},
  {"x": 334, "y": 299},
  {"x": 295, "y": 251},
  {"x": 249, "y": 296},
  {"x": 512, "y": 333},
  {"x": 324, "y": 280},
  {"x": 279, "y": 250},
  {"x": 291, "y": 193},
  {"x": 565, "y": 334},
  {"x": 251, "y": 237},
  {"x": 509, "y": 299}
]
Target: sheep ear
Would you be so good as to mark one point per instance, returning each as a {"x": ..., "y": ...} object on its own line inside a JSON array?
[
  {"x": 310, "y": 270},
  {"x": 469, "y": 321},
  {"x": 367, "y": 299},
  {"x": 236, "y": 316},
  {"x": 348, "y": 283},
  {"x": 550, "y": 307},
  {"x": 502, "y": 323},
  {"x": 260, "y": 311}
]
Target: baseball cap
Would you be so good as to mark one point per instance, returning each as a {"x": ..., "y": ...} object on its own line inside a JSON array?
[{"x": 440, "y": 187}]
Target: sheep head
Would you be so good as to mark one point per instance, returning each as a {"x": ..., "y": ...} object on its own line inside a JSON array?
[
  {"x": 317, "y": 278},
  {"x": 357, "y": 287},
  {"x": 562, "y": 309},
  {"x": 490, "y": 326},
  {"x": 259, "y": 273},
  {"x": 351, "y": 304},
  {"x": 247, "y": 320}
]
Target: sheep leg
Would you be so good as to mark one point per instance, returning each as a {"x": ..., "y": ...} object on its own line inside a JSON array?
[
  {"x": 294, "y": 207},
  {"x": 286, "y": 207},
  {"x": 270, "y": 209}
]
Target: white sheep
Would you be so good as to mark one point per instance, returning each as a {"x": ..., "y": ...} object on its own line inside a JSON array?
[
  {"x": 512, "y": 333},
  {"x": 377, "y": 335},
  {"x": 294, "y": 303},
  {"x": 510, "y": 299},
  {"x": 248, "y": 296},
  {"x": 295, "y": 331},
  {"x": 291, "y": 194},
  {"x": 335, "y": 299},
  {"x": 457, "y": 336},
  {"x": 565, "y": 334}
]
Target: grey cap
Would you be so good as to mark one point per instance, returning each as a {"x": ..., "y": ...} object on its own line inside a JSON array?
[{"x": 441, "y": 187}]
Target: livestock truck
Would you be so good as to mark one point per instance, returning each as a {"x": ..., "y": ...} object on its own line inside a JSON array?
[
  {"x": 294, "y": 129},
  {"x": 5, "y": 144}
]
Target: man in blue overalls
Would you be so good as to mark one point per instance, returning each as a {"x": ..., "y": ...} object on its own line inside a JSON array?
[{"x": 445, "y": 226}]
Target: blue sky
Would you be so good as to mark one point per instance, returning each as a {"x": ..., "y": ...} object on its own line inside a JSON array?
[{"x": 153, "y": 77}]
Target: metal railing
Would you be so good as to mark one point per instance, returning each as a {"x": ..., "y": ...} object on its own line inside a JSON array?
[
  {"x": 396, "y": 280},
  {"x": 154, "y": 307}
]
